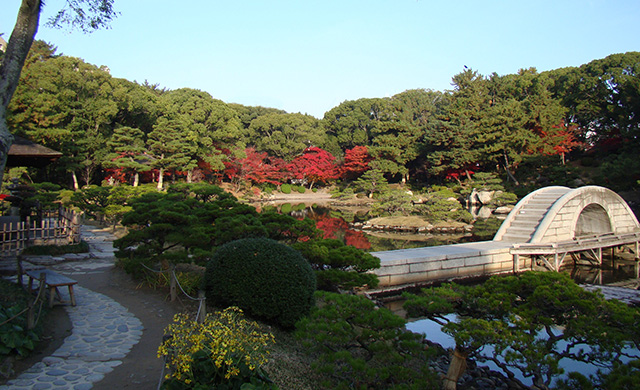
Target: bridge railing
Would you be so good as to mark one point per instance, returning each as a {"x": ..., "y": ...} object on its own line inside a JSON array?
[{"x": 559, "y": 250}]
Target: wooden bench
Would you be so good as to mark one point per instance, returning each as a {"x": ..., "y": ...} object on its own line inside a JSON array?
[{"x": 53, "y": 280}]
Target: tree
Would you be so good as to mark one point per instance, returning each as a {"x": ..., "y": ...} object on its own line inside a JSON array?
[
  {"x": 356, "y": 162},
  {"x": 352, "y": 122},
  {"x": 602, "y": 97},
  {"x": 372, "y": 181},
  {"x": 285, "y": 135},
  {"x": 364, "y": 347},
  {"x": 404, "y": 119},
  {"x": 128, "y": 152},
  {"x": 209, "y": 122},
  {"x": 170, "y": 146},
  {"x": 314, "y": 165},
  {"x": 531, "y": 321},
  {"x": 66, "y": 104},
  {"x": 94, "y": 15},
  {"x": 259, "y": 168}
]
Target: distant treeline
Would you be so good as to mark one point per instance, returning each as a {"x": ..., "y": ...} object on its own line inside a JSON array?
[{"x": 523, "y": 126}]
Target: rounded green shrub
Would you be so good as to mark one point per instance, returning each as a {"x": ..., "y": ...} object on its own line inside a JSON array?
[
  {"x": 267, "y": 279},
  {"x": 301, "y": 189},
  {"x": 285, "y": 188}
]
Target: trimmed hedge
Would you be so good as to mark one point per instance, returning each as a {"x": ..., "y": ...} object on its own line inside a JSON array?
[
  {"x": 267, "y": 279},
  {"x": 285, "y": 188}
]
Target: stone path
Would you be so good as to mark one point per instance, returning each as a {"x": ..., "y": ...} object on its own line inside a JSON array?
[{"x": 103, "y": 330}]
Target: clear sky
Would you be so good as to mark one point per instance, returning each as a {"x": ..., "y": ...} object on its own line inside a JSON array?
[{"x": 308, "y": 56}]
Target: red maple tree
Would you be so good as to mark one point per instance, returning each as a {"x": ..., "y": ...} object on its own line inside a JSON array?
[
  {"x": 257, "y": 168},
  {"x": 356, "y": 162},
  {"x": 561, "y": 139},
  {"x": 314, "y": 165}
]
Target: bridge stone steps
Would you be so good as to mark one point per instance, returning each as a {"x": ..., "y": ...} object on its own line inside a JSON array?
[{"x": 526, "y": 221}]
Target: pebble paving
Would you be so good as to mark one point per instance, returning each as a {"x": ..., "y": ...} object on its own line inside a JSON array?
[{"x": 103, "y": 330}]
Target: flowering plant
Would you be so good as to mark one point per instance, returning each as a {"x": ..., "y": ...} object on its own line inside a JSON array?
[{"x": 226, "y": 351}]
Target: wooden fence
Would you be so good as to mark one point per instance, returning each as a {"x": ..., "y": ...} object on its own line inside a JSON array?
[{"x": 50, "y": 227}]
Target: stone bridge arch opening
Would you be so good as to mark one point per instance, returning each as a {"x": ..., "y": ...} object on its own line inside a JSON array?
[{"x": 593, "y": 219}]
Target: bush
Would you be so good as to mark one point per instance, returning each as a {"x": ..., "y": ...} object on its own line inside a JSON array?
[
  {"x": 226, "y": 351},
  {"x": 16, "y": 338},
  {"x": 285, "y": 188},
  {"x": 264, "y": 277},
  {"x": 301, "y": 189},
  {"x": 55, "y": 250}
]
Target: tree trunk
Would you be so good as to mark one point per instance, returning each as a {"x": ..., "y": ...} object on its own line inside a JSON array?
[
  {"x": 506, "y": 168},
  {"x": 189, "y": 175},
  {"x": 76, "y": 187},
  {"x": 14, "y": 57},
  {"x": 456, "y": 368},
  {"x": 136, "y": 179},
  {"x": 160, "y": 178}
]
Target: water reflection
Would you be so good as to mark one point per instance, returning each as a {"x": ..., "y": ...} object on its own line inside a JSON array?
[{"x": 337, "y": 225}]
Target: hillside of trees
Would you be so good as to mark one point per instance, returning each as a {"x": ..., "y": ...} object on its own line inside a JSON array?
[{"x": 531, "y": 128}]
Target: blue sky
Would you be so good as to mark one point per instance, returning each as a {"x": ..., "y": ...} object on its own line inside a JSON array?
[{"x": 308, "y": 56}]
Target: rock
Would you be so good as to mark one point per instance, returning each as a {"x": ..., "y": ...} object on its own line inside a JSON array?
[
  {"x": 503, "y": 210},
  {"x": 577, "y": 183},
  {"x": 485, "y": 197},
  {"x": 484, "y": 212}
]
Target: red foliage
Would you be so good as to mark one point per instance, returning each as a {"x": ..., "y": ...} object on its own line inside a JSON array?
[
  {"x": 356, "y": 239},
  {"x": 331, "y": 225},
  {"x": 257, "y": 168},
  {"x": 315, "y": 165},
  {"x": 455, "y": 174},
  {"x": 356, "y": 162},
  {"x": 561, "y": 138}
]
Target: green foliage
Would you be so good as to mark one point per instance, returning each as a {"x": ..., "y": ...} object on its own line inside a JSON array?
[
  {"x": 15, "y": 338},
  {"x": 47, "y": 195},
  {"x": 486, "y": 229},
  {"x": 188, "y": 222},
  {"x": 620, "y": 171},
  {"x": 55, "y": 250},
  {"x": 440, "y": 205},
  {"x": 364, "y": 347},
  {"x": 371, "y": 182},
  {"x": 532, "y": 321},
  {"x": 339, "y": 266},
  {"x": 285, "y": 228},
  {"x": 622, "y": 376},
  {"x": 92, "y": 200},
  {"x": 393, "y": 202},
  {"x": 224, "y": 352},
  {"x": 268, "y": 279},
  {"x": 284, "y": 135},
  {"x": 300, "y": 189},
  {"x": 285, "y": 188}
]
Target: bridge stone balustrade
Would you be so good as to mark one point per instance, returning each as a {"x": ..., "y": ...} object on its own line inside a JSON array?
[{"x": 550, "y": 221}]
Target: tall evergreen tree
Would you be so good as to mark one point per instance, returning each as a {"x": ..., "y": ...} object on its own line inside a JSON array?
[{"x": 128, "y": 152}]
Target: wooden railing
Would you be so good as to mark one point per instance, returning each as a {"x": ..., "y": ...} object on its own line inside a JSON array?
[{"x": 50, "y": 227}]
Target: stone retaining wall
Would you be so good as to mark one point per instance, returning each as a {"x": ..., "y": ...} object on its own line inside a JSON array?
[{"x": 420, "y": 266}]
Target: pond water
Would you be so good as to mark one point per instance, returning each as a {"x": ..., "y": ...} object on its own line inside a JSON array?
[
  {"x": 432, "y": 331},
  {"x": 337, "y": 224}
]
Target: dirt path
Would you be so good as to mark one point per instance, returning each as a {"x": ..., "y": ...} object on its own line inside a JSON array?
[{"x": 141, "y": 368}]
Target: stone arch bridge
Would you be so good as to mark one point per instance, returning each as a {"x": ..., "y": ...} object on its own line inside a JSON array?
[{"x": 546, "y": 227}]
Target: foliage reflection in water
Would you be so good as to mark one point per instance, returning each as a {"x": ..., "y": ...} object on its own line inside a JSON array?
[{"x": 337, "y": 224}]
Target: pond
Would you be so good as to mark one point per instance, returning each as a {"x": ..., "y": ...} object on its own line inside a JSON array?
[
  {"x": 337, "y": 224},
  {"x": 433, "y": 332}
]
